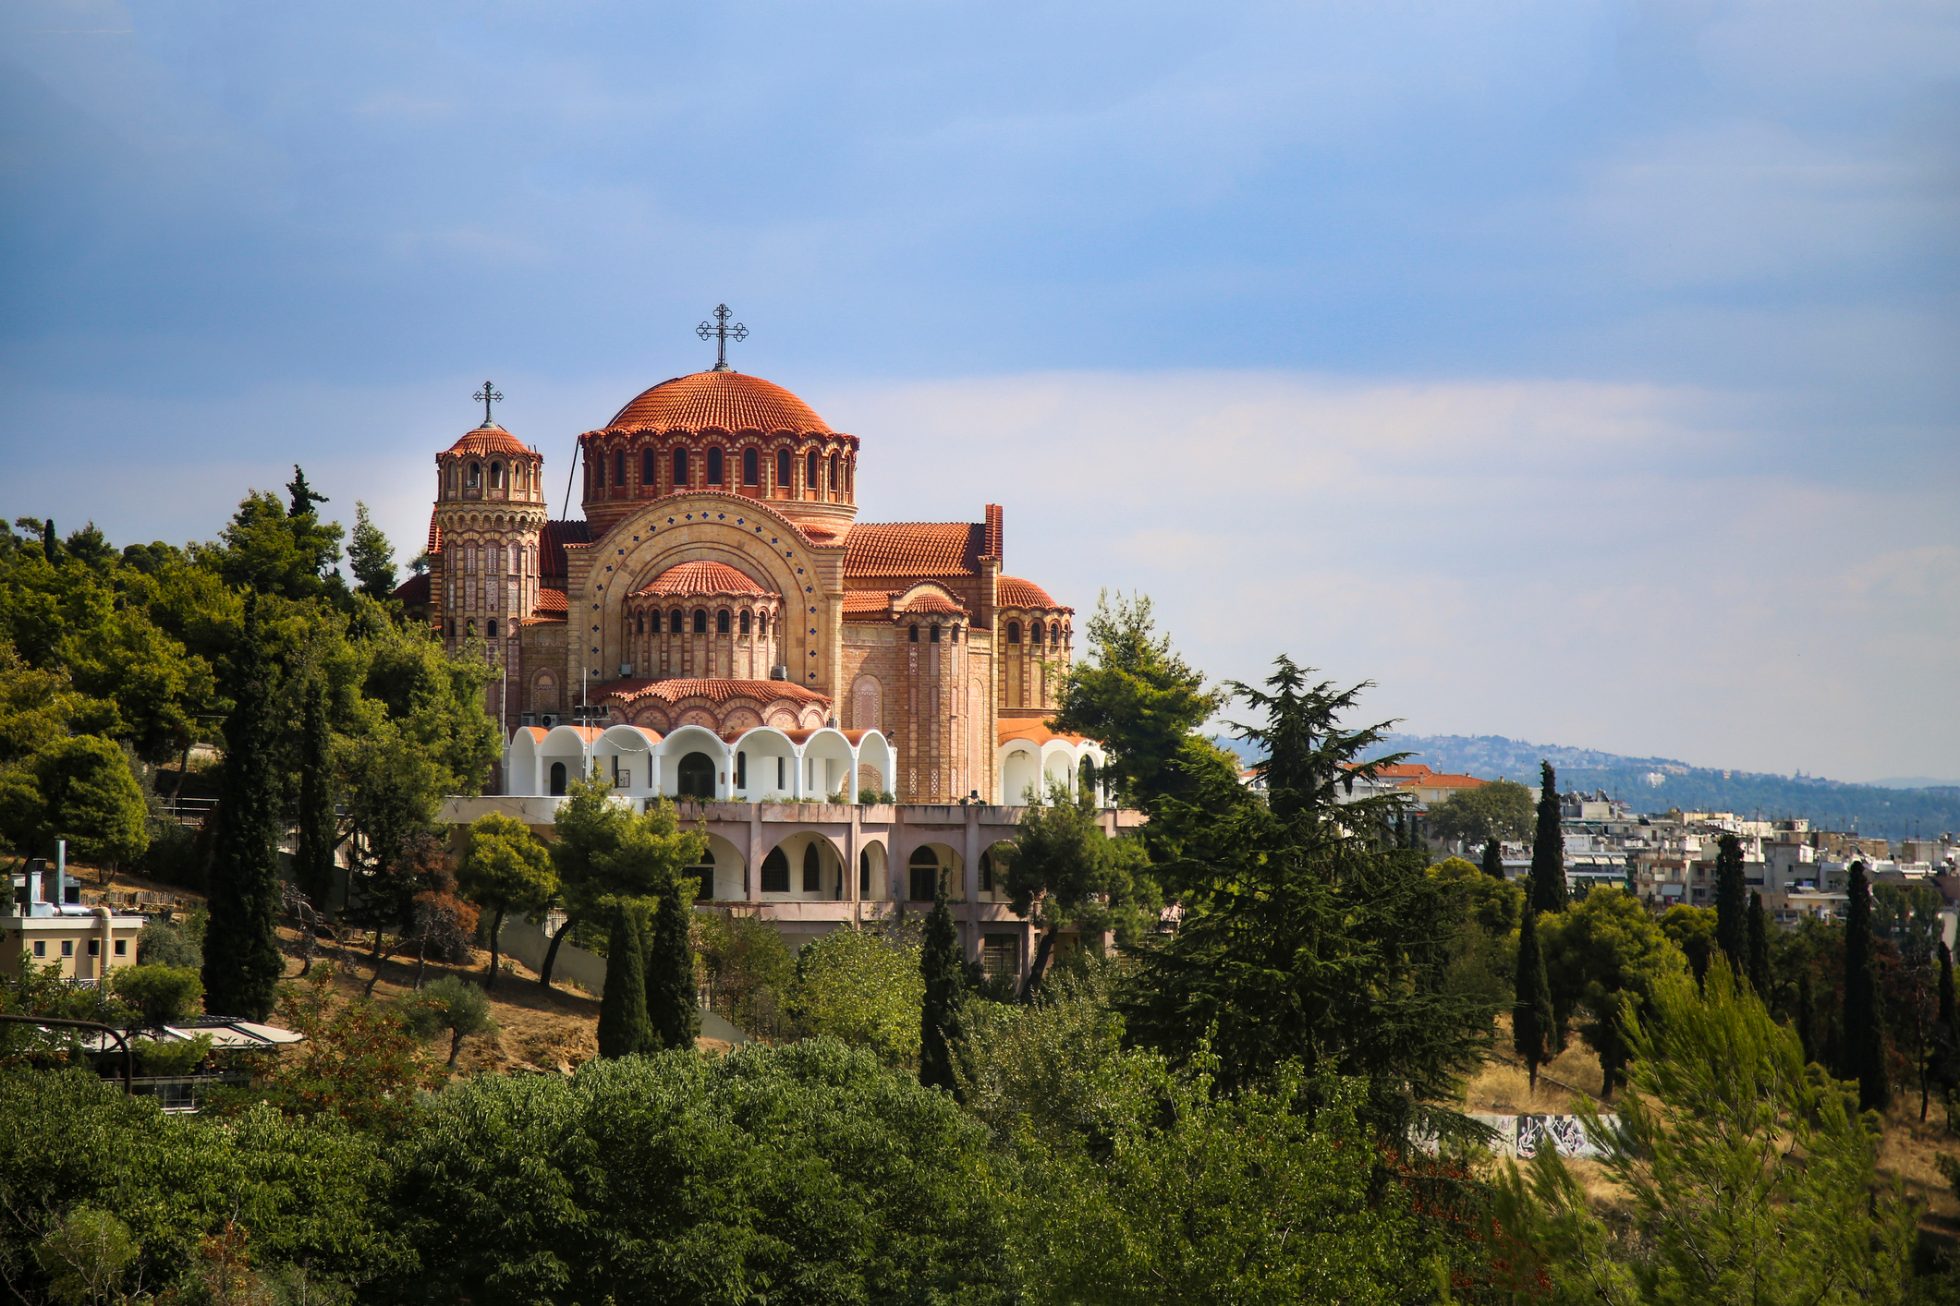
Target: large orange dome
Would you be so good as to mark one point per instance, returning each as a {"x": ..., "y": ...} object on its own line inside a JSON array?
[{"x": 724, "y": 401}]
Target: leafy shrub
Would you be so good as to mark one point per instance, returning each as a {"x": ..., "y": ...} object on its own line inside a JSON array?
[
  {"x": 155, "y": 1056},
  {"x": 862, "y": 986},
  {"x": 158, "y": 993},
  {"x": 174, "y": 942}
]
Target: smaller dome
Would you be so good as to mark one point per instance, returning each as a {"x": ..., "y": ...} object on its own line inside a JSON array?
[
  {"x": 1013, "y": 592},
  {"x": 490, "y": 439},
  {"x": 700, "y": 579},
  {"x": 722, "y": 401}
]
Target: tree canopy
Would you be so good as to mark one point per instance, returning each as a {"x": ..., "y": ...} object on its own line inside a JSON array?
[{"x": 1500, "y": 810}]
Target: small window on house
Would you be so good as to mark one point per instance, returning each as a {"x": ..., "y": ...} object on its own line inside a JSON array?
[
  {"x": 721, "y": 622},
  {"x": 810, "y": 471},
  {"x": 122, "y": 947},
  {"x": 782, "y": 470},
  {"x": 675, "y": 622},
  {"x": 912, "y": 633},
  {"x": 714, "y": 467},
  {"x": 646, "y": 468},
  {"x": 956, "y": 634},
  {"x": 1054, "y": 632},
  {"x": 812, "y": 869},
  {"x": 680, "y": 468},
  {"x": 924, "y": 875},
  {"x": 700, "y": 621},
  {"x": 935, "y": 634},
  {"x": 775, "y": 872},
  {"x": 40, "y": 947},
  {"x": 95, "y": 947},
  {"x": 751, "y": 468},
  {"x": 67, "y": 947},
  {"x": 745, "y": 621},
  {"x": 1014, "y": 632}
]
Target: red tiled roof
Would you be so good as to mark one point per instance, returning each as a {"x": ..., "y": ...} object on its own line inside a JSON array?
[
  {"x": 868, "y": 603},
  {"x": 435, "y": 536},
  {"x": 931, "y": 602},
  {"x": 1402, "y": 771},
  {"x": 551, "y": 545},
  {"x": 717, "y": 691},
  {"x": 1035, "y": 732},
  {"x": 414, "y": 592},
  {"x": 723, "y": 401},
  {"x": 1439, "y": 780},
  {"x": 491, "y": 438},
  {"x": 551, "y": 601},
  {"x": 701, "y": 578},
  {"x": 914, "y": 549},
  {"x": 1013, "y": 592}
]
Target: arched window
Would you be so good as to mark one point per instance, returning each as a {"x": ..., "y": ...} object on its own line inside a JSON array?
[
  {"x": 987, "y": 871},
  {"x": 1054, "y": 632},
  {"x": 544, "y": 694},
  {"x": 492, "y": 631},
  {"x": 721, "y": 621},
  {"x": 762, "y": 623},
  {"x": 696, "y": 775},
  {"x": 935, "y": 633},
  {"x": 810, "y": 472},
  {"x": 782, "y": 470},
  {"x": 912, "y": 634},
  {"x": 700, "y": 621},
  {"x": 833, "y": 473},
  {"x": 924, "y": 876},
  {"x": 653, "y": 622},
  {"x": 1034, "y": 633},
  {"x": 646, "y": 469},
  {"x": 850, "y": 475},
  {"x": 745, "y": 621},
  {"x": 640, "y": 626},
  {"x": 775, "y": 872},
  {"x": 864, "y": 873},
  {"x": 704, "y": 876},
  {"x": 675, "y": 622},
  {"x": 619, "y": 469},
  {"x": 714, "y": 467},
  {"x": 680, "y": 468},
  {"x": 476, "y": 476},
  {"x": 557, "y": 779},
  {"x": 812, "y": 869},
  {"x": 496, "y": 476},
  {"x": 956, "y": 634},
  {"x": 741, "y": 770},
  {"x": 751, "y": 468},
  {"x": 1014, "y": 632}
]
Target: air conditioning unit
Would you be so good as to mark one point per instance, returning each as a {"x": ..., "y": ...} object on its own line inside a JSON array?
[
  {"x": 527, "y": 718},
  {"x": 547, "y": 719},
  {"x": 625, "y": 669},
  {"x": 779, "y": 672}
]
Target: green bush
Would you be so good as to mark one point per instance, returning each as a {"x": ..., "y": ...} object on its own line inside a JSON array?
[
  {"x": 169, "y": 1056},
  {"x": 862, "y": 986},
  {"x": 175, "y": 942},
  {"x": 159, "y": 994}
]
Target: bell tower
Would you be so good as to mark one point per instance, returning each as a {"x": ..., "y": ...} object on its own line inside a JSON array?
[{"x": 489, "y": 514}]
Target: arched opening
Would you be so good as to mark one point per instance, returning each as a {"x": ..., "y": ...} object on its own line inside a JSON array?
[
  {"x": 714, "y": 467},
  {"x": 676, "y": 622},
  {"x": 1054, "y": 632},
  {"x": 1034, "y": 634},
  {"x": 703, "y": 873},
  {"x": 747, "y": 620},
  {"x": 700, "y": 621},
  {"x": 775, "y": 872},
  {"x": 496, "y": 476},
  {"x": 810, "y": 472},
  {"x": 557, "y": 779},
  {"x": 1014, "y": 632},
  {"x": 812, "y": 868},
  {"x": 833, "y": 473},
  {"x": 751, "y": 468},
  {"x": 782, "y": 471},
  {"x": 619, "y": 469},
  {"x": 864, "y": 873},
  {"x": 475, "y": 481},
  {"x": 697, "y": 776},
  {"x": 653, "y": 622},
  {"x": 646, "y": 468},
  {"x": 680, "y": 468},
  {"x": 721, "y": 621},
  {"x": 492, "y": 631},
  {"x": 923, "y": 877}
]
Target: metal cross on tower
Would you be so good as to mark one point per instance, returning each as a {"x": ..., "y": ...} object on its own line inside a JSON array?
[
  {"x": 721, "y": 333},
  {"x": 487, "y": 396}
]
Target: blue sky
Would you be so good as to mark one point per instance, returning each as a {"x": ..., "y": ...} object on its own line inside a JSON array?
[{"x": 1580, "y": 372}]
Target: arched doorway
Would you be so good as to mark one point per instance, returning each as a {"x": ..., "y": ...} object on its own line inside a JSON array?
[
  {"x": 696, "y": 776},
  {"x": 557, "y": 779}
]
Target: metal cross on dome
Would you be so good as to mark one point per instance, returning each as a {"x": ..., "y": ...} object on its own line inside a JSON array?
[
  {"x": 721, "y": 333},
  {"x": 486, "y": 396}
]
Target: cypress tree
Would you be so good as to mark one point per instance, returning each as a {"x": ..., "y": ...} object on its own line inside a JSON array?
[
  {"x": 939, "y": 962},
  {"x": 242, "y": 963},
  {"x": 1947, "y": 1019},
  {"x": 1547, "y": 892},
  {"x": 1732, "y": 905},
  {"x": 1533, "y": 1024},
  {"x": 1759, "y": 947},
  {"x": 1493, "y": 859},
  {"x": 1863, "y": 1050},
  {"x": 623, "y": 1025},
  {"x": 673, "y": 1012},
  {"x": 313, "y": 846},
  {"x": 50, "y": 546}
]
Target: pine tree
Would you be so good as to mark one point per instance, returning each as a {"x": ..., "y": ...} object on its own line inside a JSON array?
[
  {"x": 1533, "y": 1025},
  {"x": 1547, "y": 892},
  {"x": 370, "y": 556},
  {"x": 940, "y": 963},
  {"x": 1494, "y": 859},
  {"x": 242, "y": 962},
  {"x": 1759, "y": 976},
  {"x": 624, "y": 1028},
  {"x": 1863, "y": 1052},
  {"x": 313, "y": 847},
  {"x": 673, "y": 1010},
  {"x": 1732, "y": 905},
  {"x": 304, "y": 496}
]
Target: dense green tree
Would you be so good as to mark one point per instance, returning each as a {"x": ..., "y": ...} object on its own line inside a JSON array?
[
  {"x": 79, "y": 789},
  {"x": 1759, "y": 969},
  {"x": 1493, "y": 860},
  {"x": 267, "y": 549},
  {"x": 1500, "y": 810},
  {"x": 370, "y": 557},
  {"x": 1309, "y": 940},
  {"x": 452, "y": 1006},
  {"x": 318, "y": 829},
  {"x": 1136, "y": 695},
  {"x": 242, "y": 962},
  {"x": 1534, "y": 1026},
  {"x": 160, "y": 995},
  {"x": 1548, "y": 890},
  {"x": 865, "y": 987},
  {"x": 505, "y": 868},
  {"x": 1604, "y": 956},
  {"x": 1063, "y": 873},
  {"x": 1737, "y": 1174},
  {"x": 673, "y": 1006},
  {"x": 1691, "y": 929},
  {"x": 624, "y": 1029},
  {"x": 750, "y": 970},
  {"x": 588, "y": 826},
  {"x": 943, "y": 973},
  {"x": 1863, "y": 1055},
  {"x": 1731, "y": 904}
]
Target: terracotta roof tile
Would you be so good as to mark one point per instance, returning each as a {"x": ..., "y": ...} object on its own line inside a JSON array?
[
  {"x": 551, "y": 601},
  {"x": 1013, "y": 592},
  {"x": 722, "y": 401},
  {"x": 717, "y": 691},
  {"x": 1035, "y": 732},
  {"x": 868, "y": 603},
  {"x": 931, "y": 602},
  {"x": 551, "y": 546},
  {"x": 491, "y": 438},
  {"x": 1402, "y": 770},
  {"x": 413, "y": 592},
  {"x": 435, "y": 536},
  {"x": 913, "y": 549},
  {"x": 1439, "y": 780},
  {"x": 701, "y": 578}
]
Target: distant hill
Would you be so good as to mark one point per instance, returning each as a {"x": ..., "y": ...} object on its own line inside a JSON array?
[{"x": 1655, "y": 784}]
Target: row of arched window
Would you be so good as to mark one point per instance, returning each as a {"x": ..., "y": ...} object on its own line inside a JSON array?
[
  {"x": 475, "y": 476},
  {"x": 648, "y": 623},
  {"x": 912, "y": 633},
  {"x": 824, "y": 475},
  {"x": 1034, "y": 632}
]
